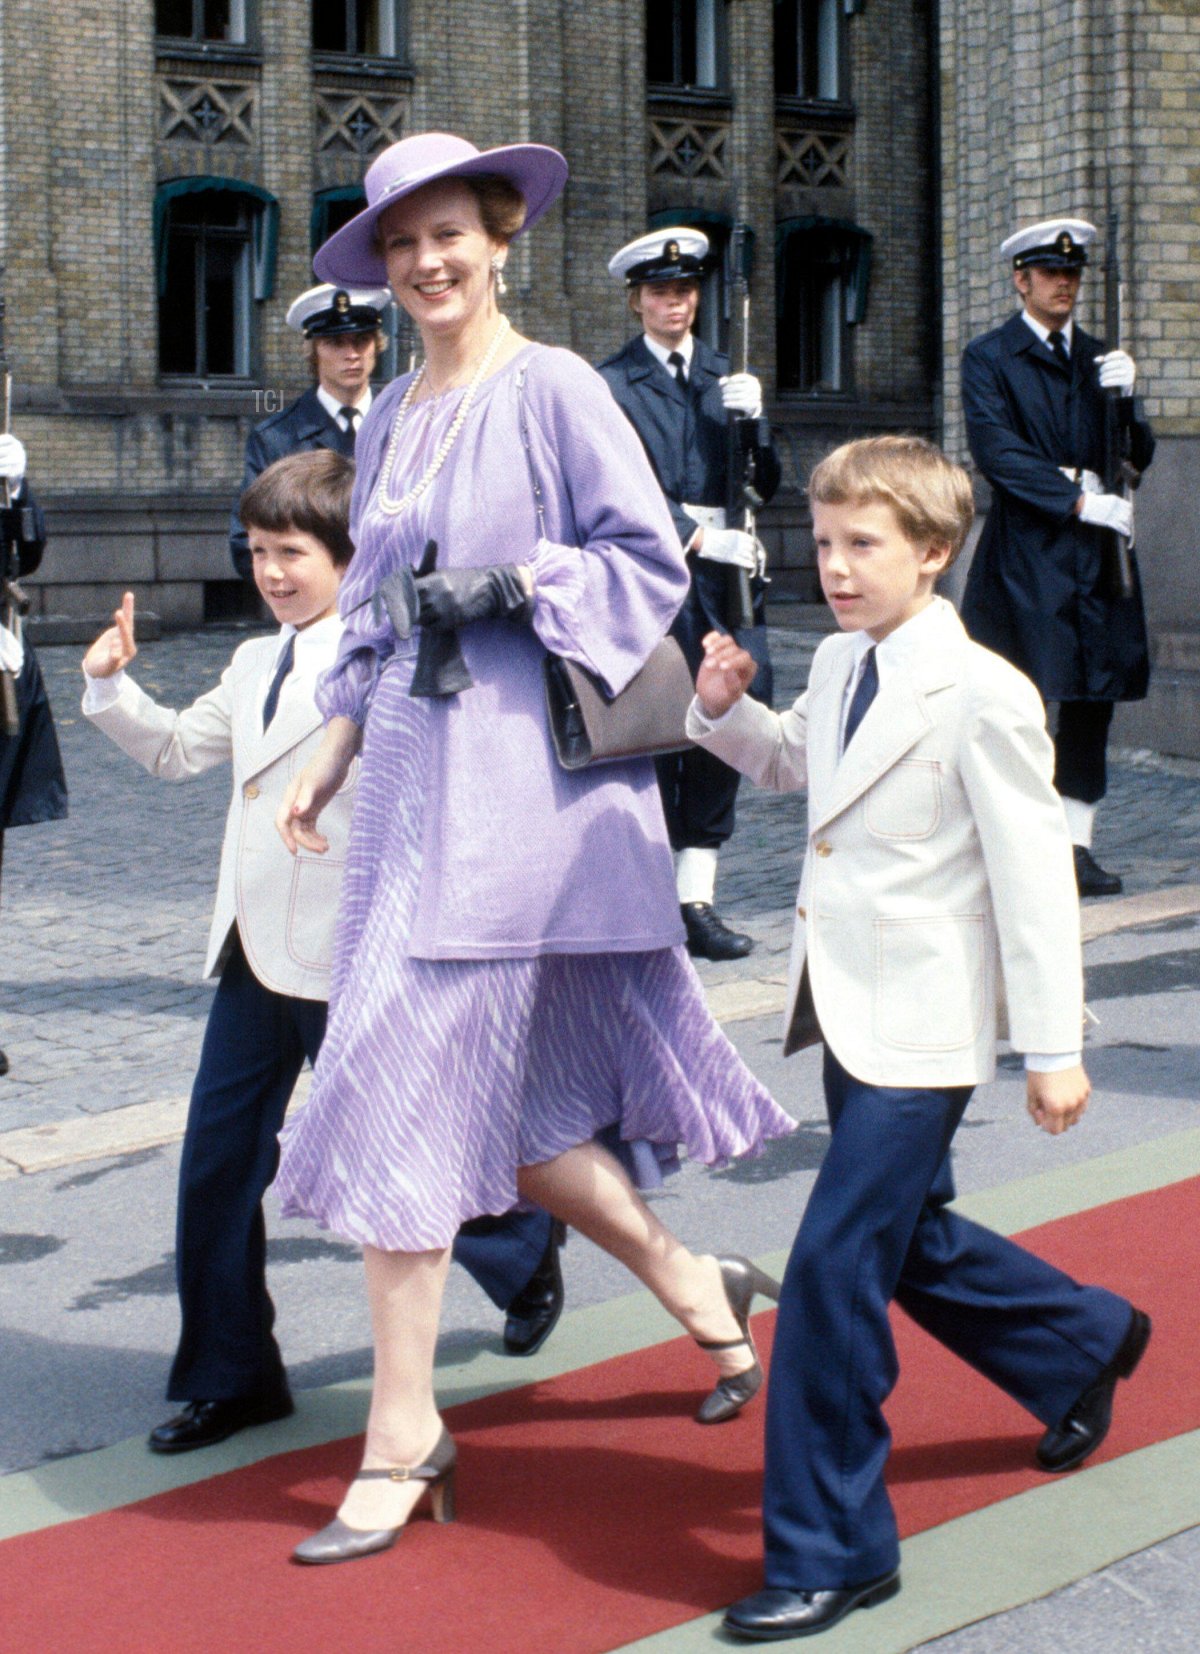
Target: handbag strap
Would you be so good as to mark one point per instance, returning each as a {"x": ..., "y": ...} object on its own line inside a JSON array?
[{"x": 523, "y": 419}]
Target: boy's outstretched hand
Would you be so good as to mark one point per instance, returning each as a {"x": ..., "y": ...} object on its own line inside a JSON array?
[
  {"x": 725, "y": 674},
  {"x": 1056, "y": 1101},
  {"x": 113, "y": 649}
]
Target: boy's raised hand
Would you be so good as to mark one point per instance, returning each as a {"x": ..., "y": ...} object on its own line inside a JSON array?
[
  {"x": 725, "y": 674},
  {"x": 1056, "y": 1101},
  {"x": 113, "y": 649}
]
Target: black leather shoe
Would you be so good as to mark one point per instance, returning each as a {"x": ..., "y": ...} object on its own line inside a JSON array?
[
  {"x": 204, "y": 1423},
  {"x": 3, "y": 1065},
  {"x": 771, "y": 1615},
  {"x": 708, "y": 937},
  {"x": 1091, "y": 878},
  {"x": 535, "y": 1310},
  {"x": 1085, "y": 1423}
]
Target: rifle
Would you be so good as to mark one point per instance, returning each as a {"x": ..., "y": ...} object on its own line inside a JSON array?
[
  {"x": 742, "y": 500},
  {"x": 1120, "y": 475},
  {"x": 15, "y": 602}
]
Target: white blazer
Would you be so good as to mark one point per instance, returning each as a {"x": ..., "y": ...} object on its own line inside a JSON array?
[
  {"x": 938, "y": 877},
  {"x": 284, "y": 907}
]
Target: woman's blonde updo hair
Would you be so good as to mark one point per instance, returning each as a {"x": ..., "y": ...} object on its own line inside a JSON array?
[{"x": 501, "y": 205}]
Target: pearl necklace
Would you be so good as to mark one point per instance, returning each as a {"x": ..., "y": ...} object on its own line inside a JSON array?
[{"x": 383, "y": 499}]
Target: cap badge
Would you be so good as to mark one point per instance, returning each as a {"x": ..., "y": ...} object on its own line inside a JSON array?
[
  {"x": 341, "y": 302},
  {"x": 1065, "y": 244},
  {"x": 671, "y": 251}
]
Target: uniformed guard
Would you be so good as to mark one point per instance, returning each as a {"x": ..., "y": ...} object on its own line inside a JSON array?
[
  {"x": 1042, "y": 590},
  {"x": 678, "y": 395},
  {"x": 342, "y": 341}
]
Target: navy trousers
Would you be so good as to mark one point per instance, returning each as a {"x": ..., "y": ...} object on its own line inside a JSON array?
[
  {"x": 254, "y": 1047},
  {"x": 877, "y": 1226}
]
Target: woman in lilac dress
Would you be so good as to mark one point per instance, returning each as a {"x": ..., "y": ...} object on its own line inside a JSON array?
[{"x": 509, "y": 980}]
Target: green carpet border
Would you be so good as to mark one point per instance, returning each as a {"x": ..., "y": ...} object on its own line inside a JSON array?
[
  {"x": 89, "y": 1483},
  {"x": 1005, "y": 1555}
]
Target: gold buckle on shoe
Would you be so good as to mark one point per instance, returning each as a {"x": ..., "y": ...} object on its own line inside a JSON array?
[{"x": 401, "y": 1475}]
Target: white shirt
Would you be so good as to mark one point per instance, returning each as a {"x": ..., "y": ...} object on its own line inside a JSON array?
[
  {"x": 1043, "y": 333},
  {"x": 661, "y": 352},
  {"x": 333, "y": 407}
]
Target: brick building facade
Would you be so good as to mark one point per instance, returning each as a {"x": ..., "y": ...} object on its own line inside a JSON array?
[{"x": 169, "y": 165}]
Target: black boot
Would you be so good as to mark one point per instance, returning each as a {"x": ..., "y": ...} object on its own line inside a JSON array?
[
  {"x": 1092, "y": 879},
  {"x": 534, "y": 1312},
  {"x": 708, "y": 937}
]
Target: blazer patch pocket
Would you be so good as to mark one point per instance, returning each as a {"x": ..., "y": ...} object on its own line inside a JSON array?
[
  {"x": 312, "y": 911},
  {"x": 930, "y": 982},
  {"x": 907, "y": 801}
]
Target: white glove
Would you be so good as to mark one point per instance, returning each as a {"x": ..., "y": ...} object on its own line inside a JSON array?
[
  {"x": 742, "y": 394},
  {"x": 12, "y": 655},
  {"x": 730, "y": 545},
  {"x": 1117, "y": 372},
  {"x": 1107, "y": 511},
  {"x": 12, "y": 461}
]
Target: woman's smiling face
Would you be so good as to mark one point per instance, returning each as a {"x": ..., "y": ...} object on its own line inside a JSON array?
[{"x": 438, "y": 255}]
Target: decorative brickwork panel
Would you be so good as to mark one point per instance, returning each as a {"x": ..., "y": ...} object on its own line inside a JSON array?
[
  {"x": 806, "y": 156},
  {"x": 689, "y": 148},
  {"x": 357, "y": 123},
  {"x": 206, "y": 111}
]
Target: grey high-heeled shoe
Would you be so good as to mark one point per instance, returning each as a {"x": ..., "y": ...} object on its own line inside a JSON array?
[
  {"x": 741, "y": 1280},
  {"x": 339, "y": 1542}
]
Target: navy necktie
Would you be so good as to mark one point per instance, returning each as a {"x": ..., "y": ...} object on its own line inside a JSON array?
[
  {"x": 675, "y": 360},
  {"x": 1058, "y": 344},
  {"x": 864, "y": 694},
  {"x": 281, "y": 672}
]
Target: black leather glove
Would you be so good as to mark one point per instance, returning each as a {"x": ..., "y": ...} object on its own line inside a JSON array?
[{"x": 450, "y": 598}]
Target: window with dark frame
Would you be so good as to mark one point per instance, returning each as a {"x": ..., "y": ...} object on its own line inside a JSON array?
[
  {"x": 687, "y": 44},
  {"x": 809, "y": 49},
  {"x": 203, "y": 20},
  {"x": 821, "y": 291},
  {"x": 360, "y": 28},
  {"x": 205, "y": 313}
]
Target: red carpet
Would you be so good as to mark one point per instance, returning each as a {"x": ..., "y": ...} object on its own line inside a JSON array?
[{"x": 592, "y": 1511}]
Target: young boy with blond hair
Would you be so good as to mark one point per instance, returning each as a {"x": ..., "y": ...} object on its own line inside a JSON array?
[{"x": 937, "y": 886}]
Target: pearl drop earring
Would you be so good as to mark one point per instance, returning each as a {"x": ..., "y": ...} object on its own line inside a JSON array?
[{"x": 498, "y": 276}]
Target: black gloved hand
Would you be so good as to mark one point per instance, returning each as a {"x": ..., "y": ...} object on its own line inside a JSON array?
[{"x": 450, "y": 598}]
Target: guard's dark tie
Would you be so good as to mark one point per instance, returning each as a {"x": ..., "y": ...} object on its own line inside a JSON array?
[
  {"x": 281, "y": 672},
  {"x": 864, "y": 694},
  {"x": 1058, "y": 344},
  {"x": 351, "y": 416},
  {"x": 677, "y": 363}
]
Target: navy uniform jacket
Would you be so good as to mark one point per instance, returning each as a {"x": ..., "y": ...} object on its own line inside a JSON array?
[
  {"x": 685, "y": 434},
  {"x": 1038, "y": 592},
  {"x": 32, "y": 785},
  {"x": 302, "y": 425}
]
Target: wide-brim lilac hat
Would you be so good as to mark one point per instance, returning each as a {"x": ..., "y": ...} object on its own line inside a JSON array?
[{"x": 351, "y": 256}]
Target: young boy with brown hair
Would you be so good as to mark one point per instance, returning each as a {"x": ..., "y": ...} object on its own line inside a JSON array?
[
  {"x": 937, "y": 884},
  {"x": 270, "y": 946}
]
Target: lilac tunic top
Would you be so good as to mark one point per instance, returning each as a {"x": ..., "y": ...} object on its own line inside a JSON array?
[
  {"x": 520, "y": 856},
  {"x": 506, "y": 982}
]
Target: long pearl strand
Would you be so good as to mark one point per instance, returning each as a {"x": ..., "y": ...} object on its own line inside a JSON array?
[{"x": 393, "y": 508}]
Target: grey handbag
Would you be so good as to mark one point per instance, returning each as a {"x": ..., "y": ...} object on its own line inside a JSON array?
[{"x": 587, "y": 724}]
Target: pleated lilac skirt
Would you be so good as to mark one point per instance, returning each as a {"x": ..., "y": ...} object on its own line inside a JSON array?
[{"x": 438, "y": 1078}]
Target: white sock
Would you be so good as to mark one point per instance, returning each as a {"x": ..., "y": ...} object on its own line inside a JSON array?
[
  {"x": 695, "y": 875},
  {"x": 1079, "y": 820}
]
